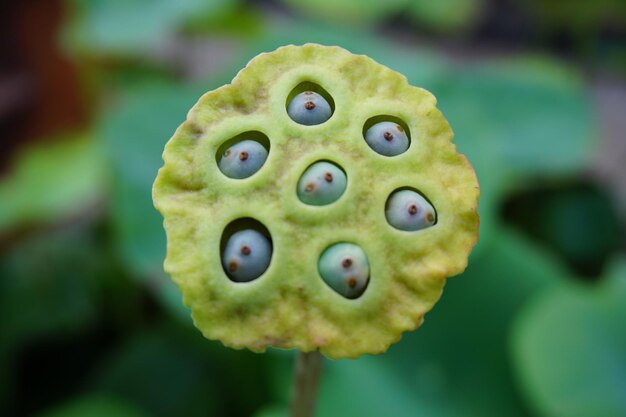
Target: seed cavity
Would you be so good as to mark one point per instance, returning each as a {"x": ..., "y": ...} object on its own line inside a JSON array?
[
  {"x": 386, "y": 135},
  {"x": 344, "y": 267},
  {"x": 402, "y": 209},
  {"x": 243, "y": 155},
  {"x": 309, "y": 104},
  {"x": 246, "y": 250},
  {"x": 321, "y": 183}
]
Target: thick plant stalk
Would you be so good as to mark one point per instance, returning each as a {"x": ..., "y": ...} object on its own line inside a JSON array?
[{"x": 307, "y": 373}]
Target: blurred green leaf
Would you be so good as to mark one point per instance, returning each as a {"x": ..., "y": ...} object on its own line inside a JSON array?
[
  {"x": 569, "y": 347},
  {"x": 274, "y": 410},
  {"x": 355, "y": 12},
  {"x": 525, "y": 116},
  {"x": 171, "y": 370},
  {"x": 51, "y": 181},
  {"x": 95, "y": 406},
  {"x": 50, "y": 283},
  {"x": 134, "y": 134},
  {"x": 446, "y": 15},
  {"x": 133, "y": 26},
  {"x": 574, "y": 219},
  {"x": 517, "y": 120}
]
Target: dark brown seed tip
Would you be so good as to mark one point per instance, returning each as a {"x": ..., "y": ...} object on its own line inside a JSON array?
[
  {"x": 243, "y": 156},
  {"x": 430, "y": 217},
  {"x": 309, "y": 187},
  {"x": 328, "y": 177},
  {"x": 245, "y": 250},
  {"x": 346, "y": 263},
  {"x": 388, "y": 136},
  {"x": 352, "y": 282},
  {"x": 309, "y": 105},
  {"x": 400, "y": 128},
  {"x": 412, "y": 209},
  {"x": 232, "y": 266}
]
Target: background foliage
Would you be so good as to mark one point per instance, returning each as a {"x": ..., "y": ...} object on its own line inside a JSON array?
[{"x": 91, "y": 326}]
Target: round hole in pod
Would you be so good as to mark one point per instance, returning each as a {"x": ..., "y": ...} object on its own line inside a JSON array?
[
  {"x": 309, "y": 104},
  {"x": 408, "y": 209},
  {"x": 387, "y": 135},
  {"x": 344, "y": 267},
  {"x": 243, "y": 155},
  {"x": 246, "y": 249}
]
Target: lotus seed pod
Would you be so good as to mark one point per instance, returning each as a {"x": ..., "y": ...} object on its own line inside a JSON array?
[
  {"x": 242, "y": 159},
  {"x": 408, "y": 210},
  {"x": 322, "y": 183},
  {"x": 309, "y": 108},
  {"x": 344, "y": 267},
  {"x": 387, "y": 138},
  {"x": 246, "y": 255},
  {"x": 291, "y": 305}
]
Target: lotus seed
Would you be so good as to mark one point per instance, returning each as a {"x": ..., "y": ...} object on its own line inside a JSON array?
[
  {"x": 309, "y": 108},
  {"x": 247, "y": 255},
  {"x": 322, "y": 183},
  {"x": 242, "y": 159},
  {"x": 387, "y": 138},
  {"x": 408, "y": 210},
  {"x": 345, "y": 268}
]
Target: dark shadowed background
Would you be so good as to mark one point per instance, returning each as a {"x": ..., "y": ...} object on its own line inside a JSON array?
[{"x": 90, "y": 91}]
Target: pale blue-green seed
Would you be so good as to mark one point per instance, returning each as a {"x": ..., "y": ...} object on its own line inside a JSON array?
[
  {"x": 242, "y": 159},
  {"x": 309, "y": 108},
  {"x": 246, "y": 256},
  {"x": 408, "y": 210},
  {"x": 322, "y": 183},
  {"x": 387, "y": 138},
  {"x": 345, "y": 268}
]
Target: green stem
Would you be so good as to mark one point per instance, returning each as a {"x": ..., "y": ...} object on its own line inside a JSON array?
[{"x": 306, "y": 379}]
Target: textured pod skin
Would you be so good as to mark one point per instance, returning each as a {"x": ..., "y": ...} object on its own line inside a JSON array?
[{"x": 290, "y": 306}]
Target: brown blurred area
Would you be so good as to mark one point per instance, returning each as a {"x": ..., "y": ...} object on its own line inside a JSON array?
[{"x": 40, "y": 87}]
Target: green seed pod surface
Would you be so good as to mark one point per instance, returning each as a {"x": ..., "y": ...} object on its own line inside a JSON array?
[{"x": 289, "y": 305}]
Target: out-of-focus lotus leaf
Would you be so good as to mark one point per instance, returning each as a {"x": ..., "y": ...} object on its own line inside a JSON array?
[
  {"x": 531, "y": 116},
  {"x": 515, "y": 119},
  {"x": 134, "y": 150},
  {"x": 132, "y": 26},
  {"x": 446, "y": 15},
  {"x": 51, "y": 181},
  {"x": 569, "y": 347},
  {"x": 95, "y": 406},
  {"x": 356, "y": 12},
  {"x": 170, "y": 370},
  {"x": 290, "y": 306}
]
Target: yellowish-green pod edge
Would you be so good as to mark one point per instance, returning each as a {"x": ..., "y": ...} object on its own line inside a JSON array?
[{"x": 290, "y": 306}]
